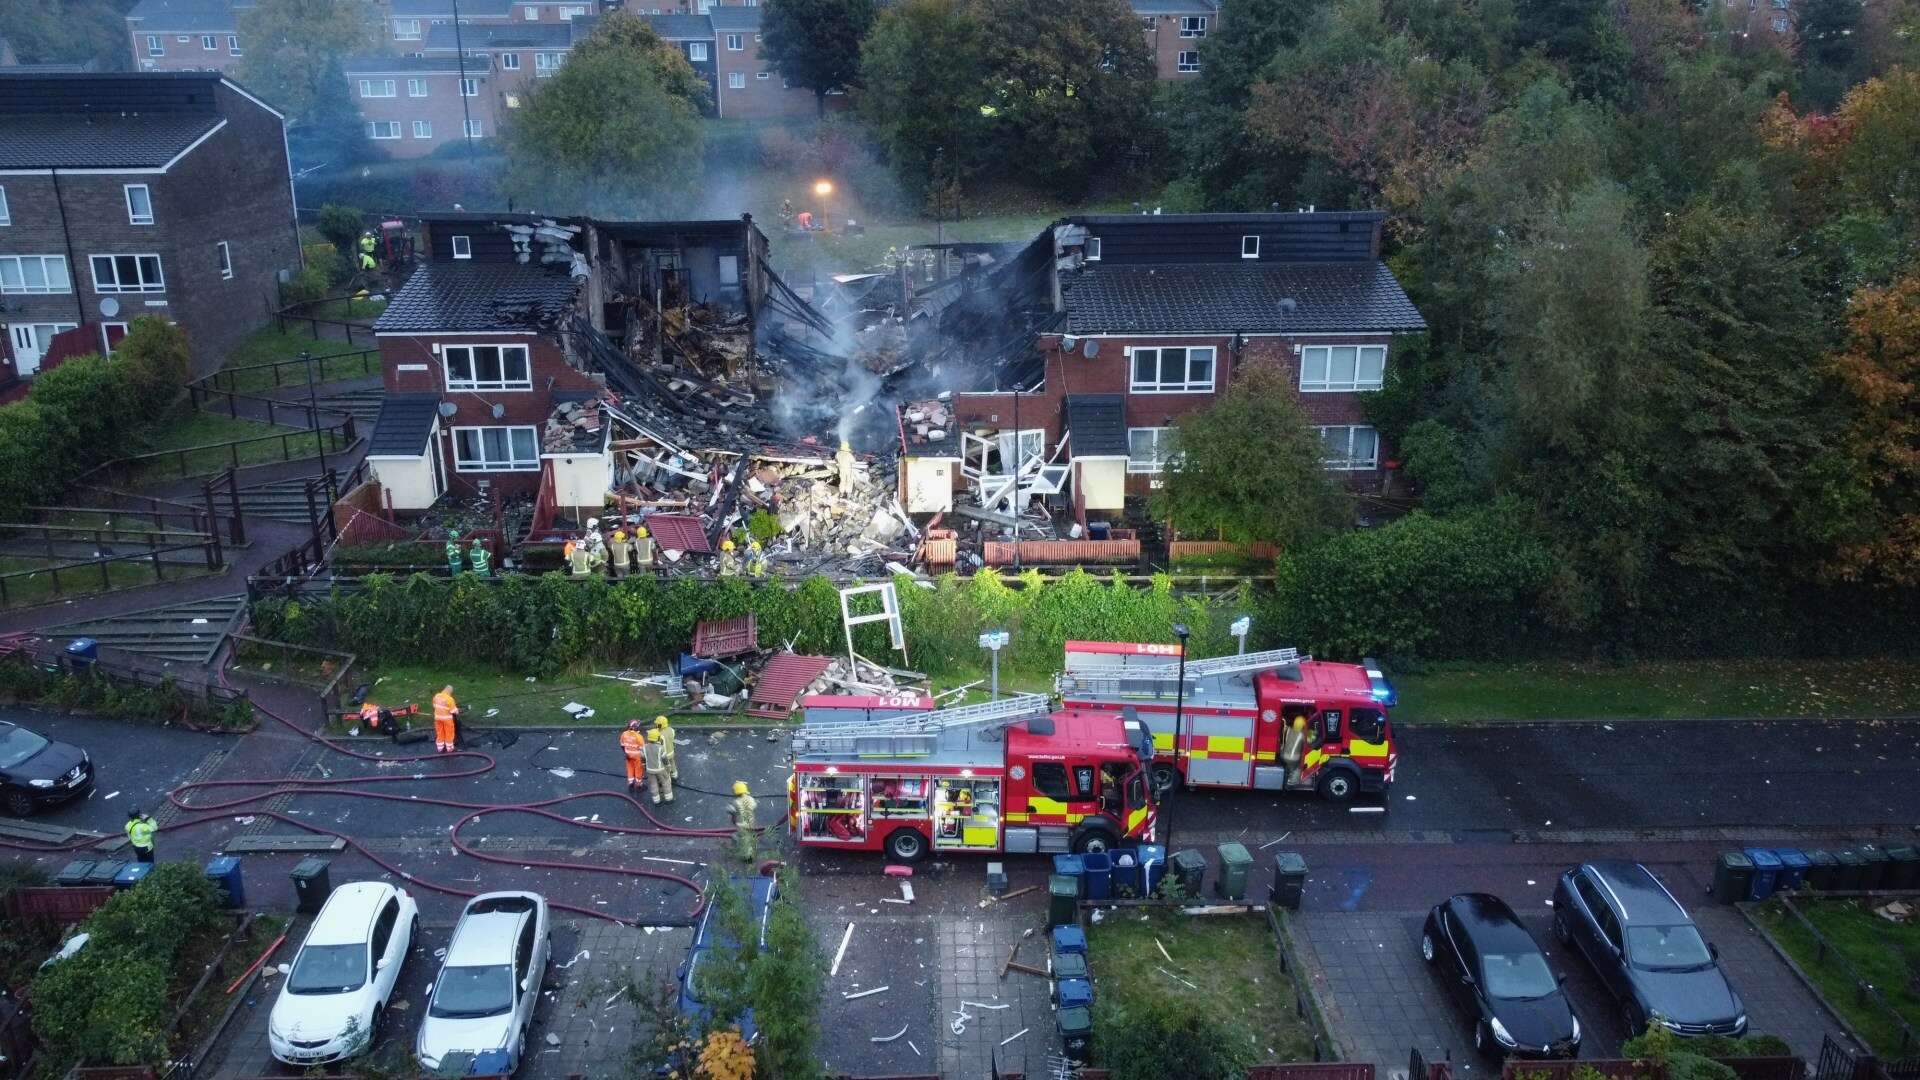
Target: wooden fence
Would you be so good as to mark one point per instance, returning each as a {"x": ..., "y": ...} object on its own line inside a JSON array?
[
  {"x": 304, "y": 314},
  {"x": 81, "y": 573},
  {"x": 1061, "y": 552}
]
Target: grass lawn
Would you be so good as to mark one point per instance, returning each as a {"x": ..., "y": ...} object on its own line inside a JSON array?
[
  {"x": 514, "y": 701},
  {"x": 268, "y": 345},
  {"x": 190, "y": 429},
  {"x": 351, "y": 309},
  {"x": 1561, "y": 690},
  {"x": 1885, "y": 953},
  {"x": 38, "y": 588},
  {"x": 1230, "y": 958}
]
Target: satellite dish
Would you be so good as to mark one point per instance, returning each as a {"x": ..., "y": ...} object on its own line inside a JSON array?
[
  {"x": 447, "y": 408},
  {"x": 1288, "y": 304},
  {"x": 1091, "y": 349},
  {"x": 109, "y": 306},
  {"x": 499, "y": 410}
]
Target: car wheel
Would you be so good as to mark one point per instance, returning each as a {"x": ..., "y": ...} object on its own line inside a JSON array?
[
  {"x": 906, "y": 846},
  {"x": 1636, "y": 1024},
  {"x": 1337, "y": 787},
  {"x": 19, "y": 803},
  {"x": 1165, "y": 778},
  {"x": 1426, "y": 948}
]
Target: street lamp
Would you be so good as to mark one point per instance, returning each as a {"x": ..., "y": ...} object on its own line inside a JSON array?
[
  {"x": 993, "y": 641},
  {"x": 823, "y": 187},
  {"x": 1239, "y": 629},
  {"x": 1179, "y": 732}
]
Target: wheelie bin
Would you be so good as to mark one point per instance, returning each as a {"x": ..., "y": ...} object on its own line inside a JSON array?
[
  {"x": 1732, "y": 877},
  {"x": 1766, "y": 870},
  {"x": 1822, "y": 869},
  {"x": 1793, "y": 869}
]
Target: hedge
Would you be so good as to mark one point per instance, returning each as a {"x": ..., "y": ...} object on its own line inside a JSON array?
[
  {"x": 542, "y": 625},
  {"x": 25, "y": 681}
]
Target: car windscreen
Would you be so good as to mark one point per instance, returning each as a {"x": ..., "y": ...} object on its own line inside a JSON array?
[
  {"x": 1518, "y": 975},
  {"x": 467, "y": 992},
  {"x": 1667, "y": 947},
  {"x": 17, "y": 744},
  {"x": 328, "y": 969}
]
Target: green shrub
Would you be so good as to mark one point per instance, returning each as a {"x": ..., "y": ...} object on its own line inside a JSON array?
[
  {"x": 763, "y": 526},
  {"x": 1159, "y": 1035},
  {"x": 309, "y": 284}
]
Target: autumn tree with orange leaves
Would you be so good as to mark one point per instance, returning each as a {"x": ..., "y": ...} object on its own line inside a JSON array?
[{"x": 1880, "y": 370}]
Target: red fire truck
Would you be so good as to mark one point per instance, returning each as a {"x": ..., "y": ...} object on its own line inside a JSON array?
[
  {"x": 1235, "y": 712},
  {"x": 1012, "y": 775}
]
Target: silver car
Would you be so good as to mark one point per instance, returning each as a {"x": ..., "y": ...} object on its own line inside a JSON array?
[{"x": 482, "y": 1001}]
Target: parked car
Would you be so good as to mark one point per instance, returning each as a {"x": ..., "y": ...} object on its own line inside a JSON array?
[
  {"x": 482, "y": 1001},
  {"x": 36, "y": 771},
  {"x": 760, "y": 893},
  {"x": 337, "y": 990},
  {"x": 1490, "y": 965},
  {"x": 1646, "y": 950}
]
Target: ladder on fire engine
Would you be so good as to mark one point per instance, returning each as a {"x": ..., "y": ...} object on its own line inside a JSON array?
[
  {"x": 916, "y": 734},
  {"x": 1164, "y": 677}
]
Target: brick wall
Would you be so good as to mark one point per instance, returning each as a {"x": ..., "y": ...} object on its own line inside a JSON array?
[
  {"x": 1166, "y": 44},
  {"x": 757, "y": 97},
  {"x": 188, "y": 55},
  {"x": 441, "y": 108}
]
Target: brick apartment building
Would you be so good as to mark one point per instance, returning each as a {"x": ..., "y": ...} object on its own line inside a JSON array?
[
  {"x": 1175, "y": 29},
  {"x": 748, "y": 87},
  {"x": 1150, "y": 317},
  {"x": 693, "y": 36},
  {"x": 1761, "y": 22},
  {"x": 186, "y": 35},
  {"x": 414, "y": 105},
  {"x": 131, "y": 194}
]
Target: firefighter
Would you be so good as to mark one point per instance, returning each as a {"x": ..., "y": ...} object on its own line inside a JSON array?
[
  {"x": 579, "y": 560},
  {"x": 729, "y": 562},
  {"x": 741, "y": 810},
  {"x": 1293, "y": 743},
  {"x": 445, "y": 709},
  {"x": 140, "y": 830},
  {"x": 642, "y": 551},
  {"x": 621, "y": 553},
  {"x": 370, "y": 715},
  {"x": 634, "y": 744},
  {"x": 659, "y": 780},
  {"x": 453, "y": 552},
  {"x": 666, "y": 746},
  {"x": 756, "y": 559}
]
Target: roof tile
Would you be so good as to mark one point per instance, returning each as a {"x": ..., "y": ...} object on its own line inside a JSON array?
[
  {"x": 449, "y": 297},
  {"x": 1215, "y": 299}
]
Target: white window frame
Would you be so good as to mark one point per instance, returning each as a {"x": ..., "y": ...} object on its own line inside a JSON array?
[
  {"x": 762, "y": 76},
  {"x": 6, "y": 215},
  {"x": 463, "y": 247},
  {"x": 375, "y": 127},
  {"x": 233, "y": 45},
  {"x": 106, "y": 342},
  {"x": 530, "y": 13},
  {"x": 472, "y": 381},
  {"x": 735, "y": 43},
  {"x": 736, "y": 80},
  {"x": 416, "y": 88},
  {"x": 210, "y": 42},
  {"x": 423, "y": 129},
  {"x": 469, "y": 87},
  {"x": 1147, "y": 24},
  {"x": 158, "y": 285},
  {"x": 476, "y": 129},
  {"x": 406, "y": 29},
  {"x": 572, "y": 11},
  {"x": 1188, "y": 385},
  {"x": 1093, "y": 249},
  {"x": 134, "y": 217},
  {"x": 1349, "y": 463},
  {"x": 226, "y": 260},
  {"x": 1250, "y": 246},
  {"x": 1188, "y": 60},
  {"x": 367, "y": 87},
  {"x": 155, "y": 46},
  {"x": 545, "y": 64},
  {"x": 697, "y": 52},
  {"x": 1321, "y": 357},
  {"x": 510, "y": 61},
  {"x": 1193, "y": 26},
  {"x": 20, "y": 274},
  {"x": 1155, "y": 464},
  {"x": 510, "y": 463}
]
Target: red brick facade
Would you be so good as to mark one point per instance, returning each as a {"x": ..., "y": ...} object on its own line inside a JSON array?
[
  {"x": 186, "y": 50},
  {"x": 1174, "y": 39},
  {"x": 426, "y": 110},
  {"x": 755, "y": 97}
]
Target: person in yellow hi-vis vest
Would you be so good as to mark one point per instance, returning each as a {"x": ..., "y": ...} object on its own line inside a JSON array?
[
  {"x": 666, "y": 746},
  {"x": 140, "y": 830},
  {"x": 634, "y": 744},
  {"x": 659, "y": 780},
  {"x": 444, "y": 710}
]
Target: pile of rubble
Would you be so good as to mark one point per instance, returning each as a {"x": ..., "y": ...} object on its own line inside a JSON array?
[
  {"x": 927, "y": 421},
  {"x": 573, "y": 425}
]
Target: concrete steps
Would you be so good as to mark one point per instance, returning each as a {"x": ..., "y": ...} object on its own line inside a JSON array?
[{"x": 189, "y": 631}]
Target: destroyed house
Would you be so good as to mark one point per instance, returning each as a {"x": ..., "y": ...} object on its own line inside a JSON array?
[
  {"x": 515, "y": 354},
  {"x": 1138, "y": 319}
]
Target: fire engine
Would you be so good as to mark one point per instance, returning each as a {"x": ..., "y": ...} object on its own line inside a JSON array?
[
  {"x": 1235, "y": 712},
  {"x": 1012, "y": 775}
]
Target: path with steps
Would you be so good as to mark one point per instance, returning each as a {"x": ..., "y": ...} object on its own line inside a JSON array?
[{"x": 190, "y": 631}]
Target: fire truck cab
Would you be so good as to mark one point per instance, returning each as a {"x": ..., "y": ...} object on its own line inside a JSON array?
[
  {"x": 1011, "y": 775},
  {"x": 1236, "y": 711}
]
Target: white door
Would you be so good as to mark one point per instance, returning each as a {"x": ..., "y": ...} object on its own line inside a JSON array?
[{"x": 26, "y": 349}]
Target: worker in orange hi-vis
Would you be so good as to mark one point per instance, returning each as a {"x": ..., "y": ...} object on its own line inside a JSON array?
[
  {"x": 370, "y": 715},
  {"x": 444, "y": 710},
  {"x": 635, "y": 745}
]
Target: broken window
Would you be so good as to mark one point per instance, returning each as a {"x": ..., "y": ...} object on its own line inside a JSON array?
[
  {"x": 1188, "y": 61},
  {"x": 1193, "y": 26},
  {"x": 128, "y": 273},
  {"x": 487, "y": 367},
  {"x": 1177, "y": 370},
  {"x": 1349, "y": 447},
  {"x": 495, "y": 449}
]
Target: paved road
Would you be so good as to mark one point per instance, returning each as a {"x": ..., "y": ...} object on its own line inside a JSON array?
[{"x": 135, "y": 764}]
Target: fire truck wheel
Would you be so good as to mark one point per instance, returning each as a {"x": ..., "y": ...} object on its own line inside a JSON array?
[
  {"x": 1097, "y": 839},
  {"x": 1337, "y": 786},
  {"x": 1165, "y": 777},
  {"x": 906, "y": 845}
]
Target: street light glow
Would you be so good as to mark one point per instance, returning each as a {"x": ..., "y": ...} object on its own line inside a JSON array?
[{"x": 823, "y": 187}]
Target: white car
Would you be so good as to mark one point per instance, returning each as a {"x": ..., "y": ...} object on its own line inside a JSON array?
[
  {"x": 343, "y": 976},
  {"x": 482, "y": 1002}
]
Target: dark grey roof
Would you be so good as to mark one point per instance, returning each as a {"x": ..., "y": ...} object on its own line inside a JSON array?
[
  {"x": 1174, "y": 7},
  {"x": 365, "y": 65},
  {"x": 734, "y": 17},
  {"x": 406, "y": 420},
  {"x": 443, "y": 9},
  {"x": 681, "y": 27},
  {"x": 452, "y": 296},
  {"x": 1097, "y": 424},
  {"x": 551, "y": 35},
  {"x": 182, "y": 16},
  {"x": 1224, "y": 299},
  {"x": 53, "y": 141}
]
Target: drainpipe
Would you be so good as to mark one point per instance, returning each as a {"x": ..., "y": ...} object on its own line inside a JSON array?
[{"x": 66, "y": 234}]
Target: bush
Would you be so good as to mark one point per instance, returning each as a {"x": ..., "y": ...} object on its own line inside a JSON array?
[
  {"x": 1159, "y": 1035},
  {"x": 307, "y": 285},
  {"x": 23, "y": 681},
  {"x": 341, "y": 225}
]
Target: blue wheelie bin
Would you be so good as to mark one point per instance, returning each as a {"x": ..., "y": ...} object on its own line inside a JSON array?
[
  {"x": 1069, "y": 939},
  {"x": 1766, "y": 871},
  {"x": 1097, "y": 881},
  {"x": 224, "y": 872},
  {"x": 1793, "y": 869},
  {"x": 1075, "y": 867},
  {"x": 1153, "y": 867}
]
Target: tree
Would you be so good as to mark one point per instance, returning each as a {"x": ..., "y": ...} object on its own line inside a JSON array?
[
  {"x": 1232, "y": 171},
  {"x": 341, "y": 225},
  {"x": 816, "y": 43},
  {"x": 616, "y": 132},
  {"x": 331, "y": 135},
  {"x": 921, "y": 69},
  {"x": 786, "y": 983},
  {"x": 1250, "y": 467},
  {"x": 1879, "y": 369},
  {"x": 293, "y": 48},
  {"x": 67, "y": 31},
  {"x": 1830, "y": 55},
  {"x": 724, "y": 971}
]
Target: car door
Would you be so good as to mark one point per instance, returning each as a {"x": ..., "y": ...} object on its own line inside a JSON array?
[
  {"x": 1463, "y": 962},
  {"x": 386, "y": 966},
  {"x": 1600, "y": 938},
  {"x": 526, "y": 982}
]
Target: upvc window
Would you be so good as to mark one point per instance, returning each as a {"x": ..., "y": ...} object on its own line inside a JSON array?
[
  {"x": 469, "y": 87},
  {"x": 762, "y": 75},
  {"x": 376, "y": 88},
  {"x": 1193, "y": 26},
  {"x": 495, "y": 449},
  {"x": 473, "y": 130},
  {"x": 1250, "y": 247},
  {"x": 487, "y": 367},
  {"x": 383, "y": 129},
  {"x": 736, "y": 80},
  {"x": 423, "y": 129},
  {"x": 1342, "y": 367},
  {"x": 544, "y": 64},
  {"x": 1093, "y": 249},
  {"x": 696, "y": 51},
  {"x": 139, "y": 204},
  {"x": 416, "y": 88},
  {"x": 6, "y": 216},
  {"x": 406, "y": 29},
  {"x": 1350, "y": 447},
  {"x": 1188, "y": 61},
  {"x": 530, "y": 13},
  {"x": 734, "y": 44},
  {"x": 463, "y": 247},
  {"x": 128, "y": 273},
  {"x": 209, "y": 42},
  {"x": 1146, "y": 23},
  {"x": 1147, "y": 449},
  {"x": 233, "y": 45},
  {"x": 226, "y": 259},
  {"x": 1178, "y": 369},
  {"x": 34, "y": 274},
  {"x": 154, "y": 46},
  {"x": 510, "y": 61},
  {"x": 572, "y": 11}
]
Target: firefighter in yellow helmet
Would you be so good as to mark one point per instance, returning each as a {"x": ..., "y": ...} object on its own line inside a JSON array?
[
  {"x": 659, "y": 781},
  {"x": 666, "y": 746},
  {"x": 642, "y": 551},
  {"x": 1293, "y": 743},
  {"x": 741, "y": 810},
  {"x": 729, "y": 562},
  {"x": 756, "y": 559}
]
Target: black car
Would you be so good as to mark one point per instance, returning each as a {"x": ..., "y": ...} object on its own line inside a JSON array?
[
  {"x": 1491, "y": 966},
  {"x": 36, "y": 771},
  {"x": 1645, "y": 949}
]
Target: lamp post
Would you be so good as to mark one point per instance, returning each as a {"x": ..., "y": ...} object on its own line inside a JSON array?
[
  {"x": 993, "y": 641},
  {"x": 313, "y": 420},
  {"x": 822, "y": 188},
  {"x": 1239, "y": 629},
  {"x": 1179, "y": 733}
]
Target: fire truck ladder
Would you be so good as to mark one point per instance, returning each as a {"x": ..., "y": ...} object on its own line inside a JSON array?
[
  {"x": 916, "y": 734},
  {"x": 1156, "y": 679}
]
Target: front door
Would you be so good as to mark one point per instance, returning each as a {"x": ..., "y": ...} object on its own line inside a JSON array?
[{"x": 27, "y": 349}]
